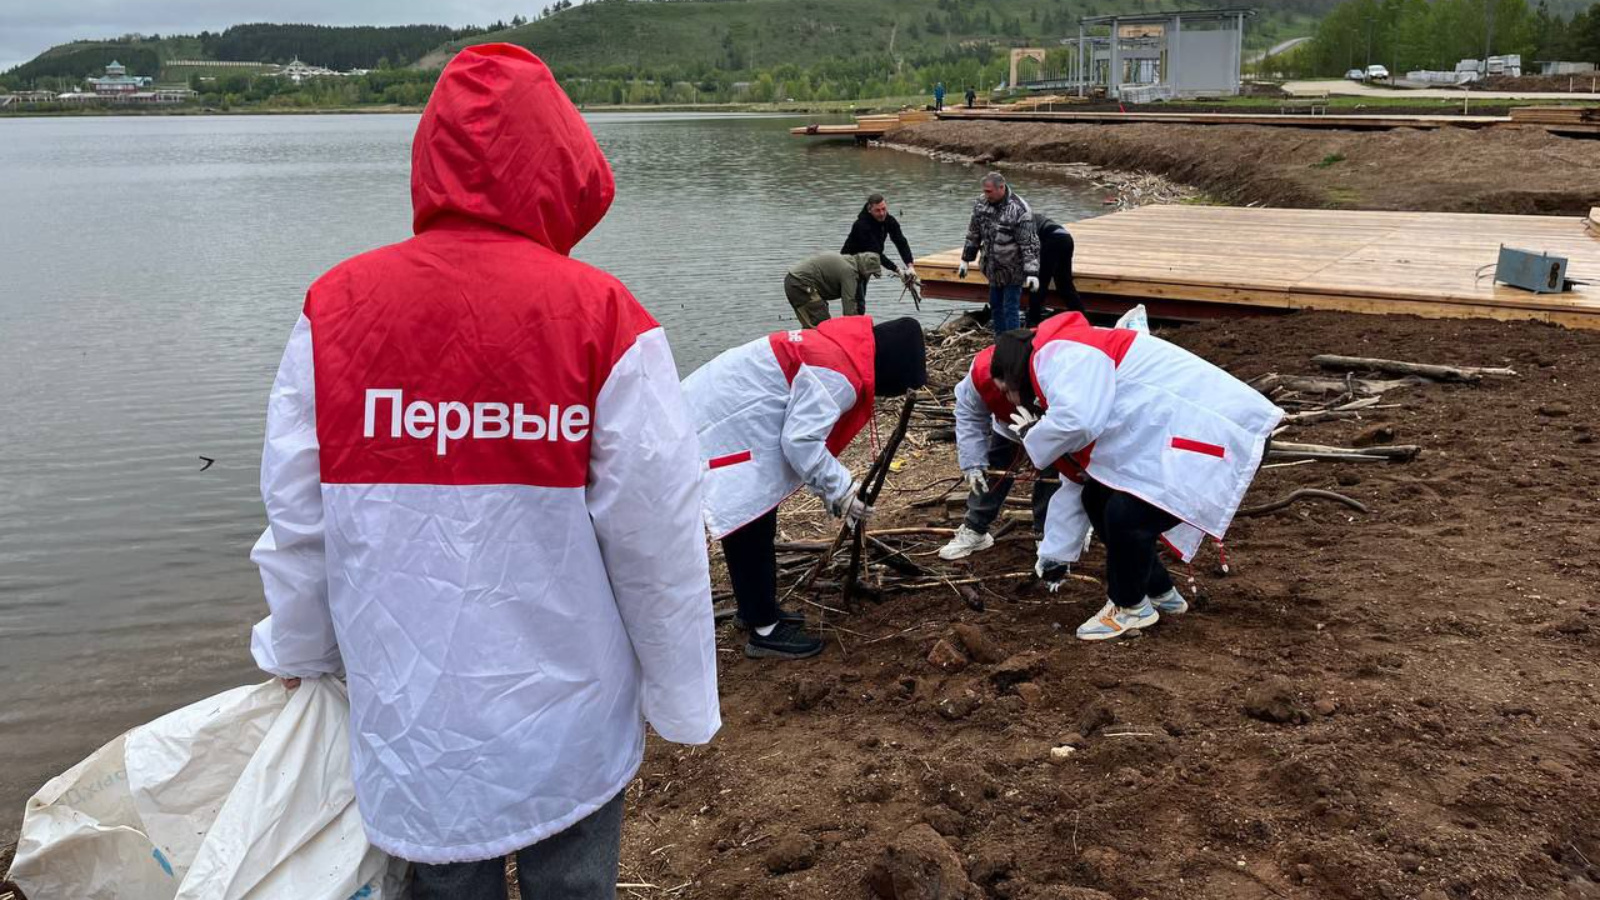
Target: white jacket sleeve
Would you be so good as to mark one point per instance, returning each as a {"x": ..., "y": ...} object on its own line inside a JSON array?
[
  {"x": 1079, "y": 384},
  {"x": 644, "y": 499},
  {"x": 973, "y": 425},
  {"x": 1066, "y": 524},
  {"x": 818, "y": 397},
  {"x": 297, "y": 639}
]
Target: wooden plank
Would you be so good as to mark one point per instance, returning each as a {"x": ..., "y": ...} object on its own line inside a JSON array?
[
  {"x": 1429, "y": 264},
  {"x": 1335, "y": 121}
]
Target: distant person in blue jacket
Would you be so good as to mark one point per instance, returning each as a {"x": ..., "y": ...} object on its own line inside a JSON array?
[{"x": 938, "y": 96}]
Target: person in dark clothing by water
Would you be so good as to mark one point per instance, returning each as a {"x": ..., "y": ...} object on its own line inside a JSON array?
[
  {"x": 972, "y": 97},
  {"x": 1055, "y": 265},
  {"x": 872, "y": 228},
  {"x": 938, "y": 96}
]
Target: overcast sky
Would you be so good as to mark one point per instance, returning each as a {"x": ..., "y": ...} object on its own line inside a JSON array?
[{"x": 29, "y": 27}]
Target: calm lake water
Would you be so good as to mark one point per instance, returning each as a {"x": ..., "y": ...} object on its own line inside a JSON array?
[{"x": 152, "y": 270}]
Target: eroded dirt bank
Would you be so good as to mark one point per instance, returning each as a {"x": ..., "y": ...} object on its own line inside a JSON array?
[{"x": 1449, "y": 170}]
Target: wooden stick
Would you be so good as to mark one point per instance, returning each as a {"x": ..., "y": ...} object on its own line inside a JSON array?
[
  {"x": 872, "y": 485},
  {"x": 1313, "y": 456},
  {"x": 1394, "y": 451},
  {"x": 1306, "y": 384},
  {"x": 1302, "y": 494},
  {"x": 976, "y": 579},
  {"x": 1468, "y": 374}
]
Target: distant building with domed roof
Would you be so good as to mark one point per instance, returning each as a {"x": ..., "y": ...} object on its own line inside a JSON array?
[{"x": 117, "y": 81}]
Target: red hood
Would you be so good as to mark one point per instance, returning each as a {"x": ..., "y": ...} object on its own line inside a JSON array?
[
  {"x": 854, "y": 336},
  {"x": 501, "y": 143}
]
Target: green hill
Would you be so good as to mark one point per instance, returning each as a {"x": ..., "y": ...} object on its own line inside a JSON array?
[
  {"x": 340, "y": 48},
  {"x": 742, "y": 36}
]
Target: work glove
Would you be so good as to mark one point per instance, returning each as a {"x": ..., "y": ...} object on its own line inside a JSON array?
[
  {"x": 976, "y": 483},
  {"x": 1052, "y": 573},
  {"x": 961, "y": 270},
  {"x": 851, "y": 508},
  {"x": 1021, "y": 421},
  {"x": 911, "y": 271}
]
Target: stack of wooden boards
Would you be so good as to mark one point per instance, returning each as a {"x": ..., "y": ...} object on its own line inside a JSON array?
[
  {"x": 865, "y": 126},
  {"x": 1190, "y": 262},
  {"x": 1043, "y": 101},
  {"x": 1570, "y": 119}
]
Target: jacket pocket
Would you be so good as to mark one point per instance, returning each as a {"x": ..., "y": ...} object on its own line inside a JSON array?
[
  {"x": 1194, "y": 446},
  {"x": 731, "y": 459}
]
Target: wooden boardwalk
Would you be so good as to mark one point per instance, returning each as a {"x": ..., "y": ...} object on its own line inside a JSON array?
[
  {"x": 1193, "y": 262},
  {"x": 865, "y": 127},
  {"x": 1564, "y": 120}
]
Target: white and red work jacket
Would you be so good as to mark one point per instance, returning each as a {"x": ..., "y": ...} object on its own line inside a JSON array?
[
  {"x": 482, "y": 492},
  {"x": 774, "y": 414},
  {"x": 1148, "y": 418}
]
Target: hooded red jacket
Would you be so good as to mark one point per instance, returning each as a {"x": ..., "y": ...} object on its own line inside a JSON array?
[{"x": 482, "y": 490}]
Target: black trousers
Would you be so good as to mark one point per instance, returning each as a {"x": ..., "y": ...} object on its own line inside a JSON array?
[
  {"x": 1129, "y": 528},
  {"x": 753, "y": 569},
  {"x": 1055, "y": 265}
]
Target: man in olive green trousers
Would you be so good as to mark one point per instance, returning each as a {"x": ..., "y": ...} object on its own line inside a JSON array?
[{"x": 816, "y": 280}]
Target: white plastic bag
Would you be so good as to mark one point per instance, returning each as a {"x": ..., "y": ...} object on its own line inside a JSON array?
[
  {"x": 1135, "y": 318},
  {"x": 243, "y": 796}
]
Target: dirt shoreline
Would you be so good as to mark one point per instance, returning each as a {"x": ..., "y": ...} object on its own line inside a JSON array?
[{"x": 1522, "y": 171}]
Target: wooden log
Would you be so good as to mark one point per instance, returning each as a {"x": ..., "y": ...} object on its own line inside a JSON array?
[{"x": 1467, "y": 374}]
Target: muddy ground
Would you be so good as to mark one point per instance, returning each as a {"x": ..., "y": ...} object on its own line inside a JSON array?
[
  {"x": 1499, "y": 170},
  {"x": 1393, "y": 705}
]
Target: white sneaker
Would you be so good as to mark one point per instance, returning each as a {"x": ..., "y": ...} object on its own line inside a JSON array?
[
  {"x": 965, "y": 543},
  {"x": 1170, "y": 604},
  {"x": 1113, "y": 621}
]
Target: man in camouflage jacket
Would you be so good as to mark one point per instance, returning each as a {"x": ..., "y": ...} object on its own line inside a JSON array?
[{"x": 1002, "y": 230}]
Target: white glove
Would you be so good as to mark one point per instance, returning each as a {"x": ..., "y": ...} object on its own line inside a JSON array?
[
  {"x": 911, "y": 271},
  {"x": 1030, "y": 284},
  {"x": 961, "y": 270},
  {"x": 851, "y": 508},
  {"x": 1052, "y": 573},
  {"x": 1022, "y": 420},
  {"x": 976, "y": 483}
]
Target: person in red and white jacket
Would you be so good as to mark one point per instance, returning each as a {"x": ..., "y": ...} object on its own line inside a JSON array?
[
  {"x": 1166, "y": 443},
  {"x": 984, "y": 441},
  {"x": 773, "y": 415},
  {"x": 482, "y": 493}
]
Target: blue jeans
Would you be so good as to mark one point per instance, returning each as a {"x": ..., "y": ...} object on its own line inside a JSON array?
[
  {"x": 1005, "y": 307},
  {"x": 577, "y": 864}
]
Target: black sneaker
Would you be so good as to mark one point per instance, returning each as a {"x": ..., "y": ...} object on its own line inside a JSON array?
[
  {"x": 784, "y": 615},
  {"x": 787, "y": 641}
]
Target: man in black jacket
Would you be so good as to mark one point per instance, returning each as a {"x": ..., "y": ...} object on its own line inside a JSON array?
[
  {"x": 1055, "y": 265},
  {"x": 872, "y": 228}
]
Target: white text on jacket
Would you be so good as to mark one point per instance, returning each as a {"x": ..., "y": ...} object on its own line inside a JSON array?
[{"x": 453, "y": 420}]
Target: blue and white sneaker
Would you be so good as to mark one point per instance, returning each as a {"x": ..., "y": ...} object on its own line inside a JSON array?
[
  {"x": 1113, "y": 621},
  {"x": 1170, "y": 604}
]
